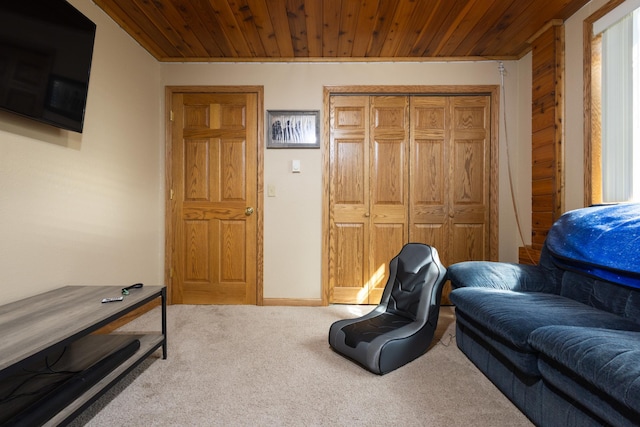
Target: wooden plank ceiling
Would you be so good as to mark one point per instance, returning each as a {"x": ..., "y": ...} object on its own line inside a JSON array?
[{"x": 336, "y": 30}]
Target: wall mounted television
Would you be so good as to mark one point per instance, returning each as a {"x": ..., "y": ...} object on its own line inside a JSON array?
[{"x": 46, "y": 48}]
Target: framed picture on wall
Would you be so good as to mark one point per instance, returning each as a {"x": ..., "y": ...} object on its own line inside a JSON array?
[{"x": 293, "y": 129}]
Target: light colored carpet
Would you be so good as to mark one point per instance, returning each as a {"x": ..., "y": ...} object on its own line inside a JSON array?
[{"x": 272, "y": 366}]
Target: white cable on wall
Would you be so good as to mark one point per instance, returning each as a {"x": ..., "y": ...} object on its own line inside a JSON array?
[{"x": 502, "y": 72}]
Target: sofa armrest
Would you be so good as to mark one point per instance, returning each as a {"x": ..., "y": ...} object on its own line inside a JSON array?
[{"x": 500, "y": 275}]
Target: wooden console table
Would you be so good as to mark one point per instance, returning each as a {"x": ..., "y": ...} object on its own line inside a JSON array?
[{"x": 35, "y": 327}]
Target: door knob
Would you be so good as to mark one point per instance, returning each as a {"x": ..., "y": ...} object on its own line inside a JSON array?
[{"x": 248, "y": 211}]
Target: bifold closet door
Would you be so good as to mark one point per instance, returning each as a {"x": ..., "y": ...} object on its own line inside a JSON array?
[
  {"x": 450, "y": 176},
  {"x": 405, "y": 169},
  {"x": 430, "y": 172},
  {"x": 368, "y": 193}
]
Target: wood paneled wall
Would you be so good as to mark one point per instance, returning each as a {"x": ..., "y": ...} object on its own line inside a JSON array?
[{"x": 547, "y": 199}]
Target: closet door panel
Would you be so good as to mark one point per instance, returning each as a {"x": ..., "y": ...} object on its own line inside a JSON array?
[
  {"x": 430, "y": 175},
  {"x": 470, "y": 172},
  {"x": 385, "y": 240},
  {"x": 349, "y": 277},
  {"x": 469, "y": 241},
  {"x": 389, "y": 169},
  {"x": 388, "y": 174},
  {"x": 349, "y": 232},
  {"x": 468, "y": 183}
]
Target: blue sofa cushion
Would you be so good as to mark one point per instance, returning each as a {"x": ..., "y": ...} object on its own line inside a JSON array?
[
  {"x": 561, "y": 385},
  {"x": 600, "y": 241},
  {"x": 513, "y": 316},
  {"x": 607, "y": 359},
  {"x": 501, "y": 275},
  {"x": 525, "y": 361},
  {"x": 612, "y": 297}
]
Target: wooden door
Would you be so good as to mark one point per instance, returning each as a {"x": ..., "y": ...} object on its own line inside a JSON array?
[
  {"x": 389, "y": 186},
  {"x": 430, "y": 172},
  {"x": 368, "y": 193},
  {"x": 450, "y": 175},
  {"x": 469, "y": 172},
  {"x": 349, "y": 229},
  {"x": 214, "y": 196},
  {"x": 414, "y": 169}
]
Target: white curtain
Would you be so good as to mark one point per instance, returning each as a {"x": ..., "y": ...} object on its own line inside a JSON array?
[
  {"x": 635, "y": 186},
  {"x": 621, "y": 109}
]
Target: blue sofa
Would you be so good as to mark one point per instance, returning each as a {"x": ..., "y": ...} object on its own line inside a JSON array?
[{"x": 561, "y": 339}]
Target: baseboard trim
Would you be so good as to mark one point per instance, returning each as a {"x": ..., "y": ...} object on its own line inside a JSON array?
[{"x": 292, "y": 302}]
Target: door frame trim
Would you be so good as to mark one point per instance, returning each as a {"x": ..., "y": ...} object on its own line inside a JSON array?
[
  {"x": 168, "y": 259},
  {"x": 490, "y": 90}
]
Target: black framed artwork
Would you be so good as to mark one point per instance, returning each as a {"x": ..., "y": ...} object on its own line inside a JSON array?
[{"x": 293, "y": 129}]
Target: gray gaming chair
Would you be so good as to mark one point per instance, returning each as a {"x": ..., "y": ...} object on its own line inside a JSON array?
[{"x": 401, "y": 327}]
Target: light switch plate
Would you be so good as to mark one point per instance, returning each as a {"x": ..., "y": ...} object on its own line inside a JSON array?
[{"x": 295, "y": 166}]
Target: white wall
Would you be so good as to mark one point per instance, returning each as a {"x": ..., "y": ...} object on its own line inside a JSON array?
[
  {"x": 87, "y": 208},
  {"x": 292, "y": 219}
]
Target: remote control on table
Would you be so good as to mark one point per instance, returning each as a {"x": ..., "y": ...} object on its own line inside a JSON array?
[{"x": 112, "y": 299}]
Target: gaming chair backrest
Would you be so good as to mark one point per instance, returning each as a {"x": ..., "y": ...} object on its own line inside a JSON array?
[{"x": 413, "y": 264}]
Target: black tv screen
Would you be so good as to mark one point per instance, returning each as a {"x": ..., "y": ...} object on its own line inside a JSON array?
[{"x": 46, "y": 47}]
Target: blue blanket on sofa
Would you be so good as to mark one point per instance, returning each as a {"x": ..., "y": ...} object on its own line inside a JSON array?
[{"x": 602, "y": 241}]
